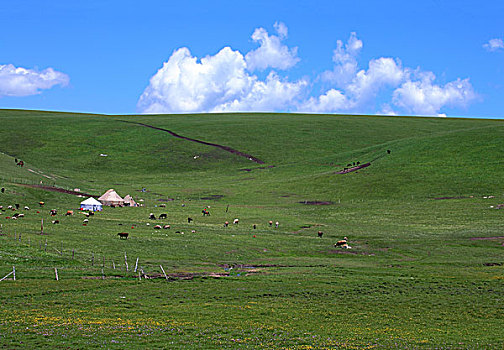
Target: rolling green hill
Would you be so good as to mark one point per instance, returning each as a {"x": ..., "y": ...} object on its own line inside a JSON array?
[{"x": 425, "y": 269}]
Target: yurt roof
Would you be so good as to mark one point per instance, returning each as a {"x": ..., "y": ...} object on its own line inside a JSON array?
[
  {"x": 91, "y": 201},
  {"x": 111, "y": 196}
]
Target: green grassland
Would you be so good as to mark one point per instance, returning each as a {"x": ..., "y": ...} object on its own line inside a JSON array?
[{"x": 419, "y": 274}]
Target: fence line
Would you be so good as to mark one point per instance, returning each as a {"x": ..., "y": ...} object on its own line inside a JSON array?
[{"x": 83, "y": 257}]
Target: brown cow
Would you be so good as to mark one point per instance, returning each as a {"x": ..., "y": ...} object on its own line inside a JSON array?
[{"x": 123, "y": 235}]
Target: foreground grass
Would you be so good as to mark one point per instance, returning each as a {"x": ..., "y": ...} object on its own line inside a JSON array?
[{"x": 416, "y": 276}]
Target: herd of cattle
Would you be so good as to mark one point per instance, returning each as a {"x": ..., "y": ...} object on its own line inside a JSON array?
[{"x": 124, "y": 235}]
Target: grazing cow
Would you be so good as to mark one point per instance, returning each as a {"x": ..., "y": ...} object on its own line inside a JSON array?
[
  {"x": 152, "y": 217},
  {"x": 166, "y": 227},
  {"x": 9, "y": 207},
  {"x": 53, "y": 212},
  {"x": 3, "y": 189},
  {"x": 388, "y": 151},
  {"x": 20, "y": 163},
  {"x": 26, "y": 208},
  {"x": 193, "y": 231},
  {"x": 270, "y": 223},
  {"x": 189, "y": 220},
  {"x": 236, "y": 221},
  {"x": 254, "y": 226},
  {"x": 277, "y": 224},
  {"x": 123, "y": 235},
  {"x": 17, "y": 205},
  {"x": 41, "y": 204},
  {"x": 341, "y": 243},
  {"x": 55, "y": 222},
  {"x": 162, "y": 205},
  {"x": 157, "y": 227},
  {"x": 320, "y": 233},
  {"x": 163, "y": 216},
  {"x": 69, "y": 212},
  {"x": 226, "y": 224},
  {"x": 85, "y": 221}
]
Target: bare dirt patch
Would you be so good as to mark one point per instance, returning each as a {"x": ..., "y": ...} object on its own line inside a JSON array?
[
  {"x": 316, "y": 202},
  {"x": 263, "y": 167},
  {"x": 339, "y": 251},
  {"x": 352, "y": 169},
  {"x": 212, "y": 197},
  {"x": 457, "y": 197}
]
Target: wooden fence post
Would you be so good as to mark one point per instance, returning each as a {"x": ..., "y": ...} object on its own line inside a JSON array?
[
  {"x": 56, "y": 273},
  {"x": 136, "y": 265},
  {"x": 14, "y": 272},
  {"x": 126, "y": 261}
]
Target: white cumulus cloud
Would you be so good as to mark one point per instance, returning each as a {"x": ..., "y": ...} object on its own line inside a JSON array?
[
  {"x": 424, "y": 97},
  {"x": 18, "y": 81},
  {"x": 332, "y": 100},
  {"x": 216, "y": 83},
  {"x": 382, "y": 72},
  {"x": 414, "y": 91},
  {"x": 345, "y": 61},
  {"x": 271, "y": 53},
  {"x": 494, "y": 44},
  {"x": 225, "y": 82}
]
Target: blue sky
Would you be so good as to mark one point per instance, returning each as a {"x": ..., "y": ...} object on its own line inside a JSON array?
[{"x": 127, "y": 57}]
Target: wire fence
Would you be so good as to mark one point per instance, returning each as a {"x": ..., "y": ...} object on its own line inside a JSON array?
[{"x": 95, "y": 264}]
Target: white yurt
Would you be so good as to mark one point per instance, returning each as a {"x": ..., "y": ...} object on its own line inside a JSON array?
[{"x": 91, "y": 204}]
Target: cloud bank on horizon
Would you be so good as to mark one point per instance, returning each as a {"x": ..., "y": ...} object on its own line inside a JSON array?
[
  {"x": 18, "y": 81},
  {"x": 228, "y": 82}
]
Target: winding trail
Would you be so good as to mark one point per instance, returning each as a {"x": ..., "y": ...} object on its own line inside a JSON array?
[
  {"x": 58, "y": 189},
  {"x": 225, "y": 148}
]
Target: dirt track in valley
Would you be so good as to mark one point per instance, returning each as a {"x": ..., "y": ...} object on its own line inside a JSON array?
[
  {"x": 225, "y": 148},
  {"x": 58, "y": 189}
]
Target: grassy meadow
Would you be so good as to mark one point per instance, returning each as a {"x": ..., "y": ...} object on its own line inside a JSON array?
[{"x": 426, "y": 268}]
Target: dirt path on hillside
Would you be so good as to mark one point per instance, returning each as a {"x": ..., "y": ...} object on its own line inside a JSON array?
[
  {"x": 355, "y": 168},
  {"x": 58, "y": 189},
  {"x": 225, "y": 148}
]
